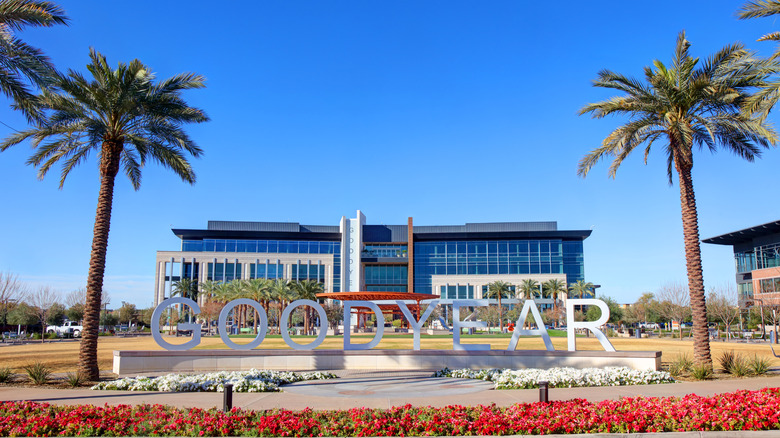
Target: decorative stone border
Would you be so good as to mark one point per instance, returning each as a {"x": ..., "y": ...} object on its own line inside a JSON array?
[{"x": 135, "y": 362}]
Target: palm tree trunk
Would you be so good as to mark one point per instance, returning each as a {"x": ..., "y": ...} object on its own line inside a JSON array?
[
  {"x": 690, "y": 219},
  {"x": 109, "y": 166}
]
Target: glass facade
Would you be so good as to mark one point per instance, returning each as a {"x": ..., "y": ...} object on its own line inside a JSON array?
[
  {"x": 745, "y": 291},
  {"x": 760, "y": 257},
  {"x": 308, "y": 272},
  {"x": 496, "y": 257},
  {"x": 262, "y": 246},
  {"x": 457, "y": 292},
  {"x": 769, "y": 285},
  {"x": 390, "y": 278},
  {"x": 266, "y": 270},
  {"x": 223, "y": 271},
  {"x": 389, "y": 250}
]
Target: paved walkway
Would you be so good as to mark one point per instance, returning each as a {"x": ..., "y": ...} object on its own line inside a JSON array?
[{"x": 378, "y": 390}]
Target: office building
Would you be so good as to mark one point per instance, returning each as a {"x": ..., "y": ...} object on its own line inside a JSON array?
[
  {"x": 757, "y": 262},
  {"x": 452, "y": 261}
]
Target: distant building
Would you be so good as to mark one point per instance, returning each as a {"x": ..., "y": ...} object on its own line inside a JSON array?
[
  {"x": 452, "y": 261},
  {"x": 757, "y": 260}
]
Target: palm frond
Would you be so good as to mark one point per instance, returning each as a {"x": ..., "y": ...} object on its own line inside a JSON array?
[{"x": 759, "y": 8}]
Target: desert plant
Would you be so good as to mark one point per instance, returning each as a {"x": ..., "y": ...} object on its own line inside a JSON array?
[
  {"x": 6, "y": 374},
  {"x": 38, "y": 372},
  {"x": 726, "y": 361},
  {"x": 701, "y": 372},
  {"x": 681, "y": 365},
  {"x": 740, "y": 367},
  {"x": 74, "y": 380},
  {"x": 758, "y": 365}
]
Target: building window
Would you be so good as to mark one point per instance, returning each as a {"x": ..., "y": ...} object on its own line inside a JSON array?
[
  {"x": 262, "y": 246},
  {"x": 497, "y": 257},
  {"x": 270, "y": 271},
  {"x": 223, "y": 271}
]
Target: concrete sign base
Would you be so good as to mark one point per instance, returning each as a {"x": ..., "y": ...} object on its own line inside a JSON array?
[{"x": 129, "y": 363}]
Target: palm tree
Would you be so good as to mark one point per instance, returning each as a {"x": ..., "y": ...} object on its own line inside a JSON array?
[
  {"x": 209, "y": 288},
  {"x": 498, "y": 289},
  {"x": 529, "y": 287},
  {"x": 126, "y": 119},
  {"x": 581, "y": 289},
  {"x": 281, "y": 292},
  {"x": 688, "y": 105},
  {"x": 258, "y": 289},
  {"x": 766, "y": 98},
  {"x": 553, "y": 288},
  {"x": 185, "y": 288},
  {"x": 307, "y": 290},
  {"x": 20, "y": 63}
]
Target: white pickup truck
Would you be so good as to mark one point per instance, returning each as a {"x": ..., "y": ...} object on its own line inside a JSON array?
[{"x": 71, "y": 328}]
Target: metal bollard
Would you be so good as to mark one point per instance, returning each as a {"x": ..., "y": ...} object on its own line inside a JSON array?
[
  {"x": 227, "y": 401},
  {"x": 543, "y": 391}
]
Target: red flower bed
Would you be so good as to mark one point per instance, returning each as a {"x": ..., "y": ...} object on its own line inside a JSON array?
[{"x": 741, "y": 410}]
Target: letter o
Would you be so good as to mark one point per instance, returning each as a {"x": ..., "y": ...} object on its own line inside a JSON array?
[
  {"x": 223, "y": 315},
  {"x": 323, "y": 328}
]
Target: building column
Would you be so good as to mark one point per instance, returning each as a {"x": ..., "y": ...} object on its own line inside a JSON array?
[
  {"x": 410, "y": 256},
  {"x": 159, "y": 286}
]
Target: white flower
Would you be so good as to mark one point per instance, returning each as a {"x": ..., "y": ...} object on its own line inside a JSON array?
[
  {"x": 242, "y": 381},
  {"x": 561, "y": 377}
]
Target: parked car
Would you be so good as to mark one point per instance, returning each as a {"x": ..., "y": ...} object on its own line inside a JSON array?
[{"x": 68, "y": 328}]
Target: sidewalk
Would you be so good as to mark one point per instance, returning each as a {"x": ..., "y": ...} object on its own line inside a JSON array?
[{"x": 378, "y": 390}]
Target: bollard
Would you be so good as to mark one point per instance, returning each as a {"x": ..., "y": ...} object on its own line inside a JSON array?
[
  {"x": 543, "y": 391},
  {"x": 227, "y": 401}
]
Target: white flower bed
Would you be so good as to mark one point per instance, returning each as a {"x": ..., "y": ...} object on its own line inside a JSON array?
[
  {"x": 561, "y": 377},
  {"x": 243, "y": 381}
]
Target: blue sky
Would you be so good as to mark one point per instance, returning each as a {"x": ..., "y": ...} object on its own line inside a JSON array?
[{"x": 446, "y": 111}]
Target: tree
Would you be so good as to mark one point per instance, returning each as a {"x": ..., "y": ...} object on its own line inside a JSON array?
[
  {"x": 75, "y": 301},
  {"x": 530, "y": 288},
  {"x": 335, "y": 315},
  {"x": 56, "y": 315},
  {"x": 553, "y": 288},
  {"x": 126, "y": 119},
  {"x": 766, "y": 98},
  {"x": 21, "y": 63},
  {"x": 281, "y": 293},
  {"x": 687, "y": 105},
  {"x": 43, "y": 300},
  {"x": 127, "y": 313},
  {"x": 12, "y": 292},
  {"x": 22, "y": 315},
  {"x": 581, "y": 289},
  {"x": 499, "y": 289},
  {"x": 186, "y": 288},
  {"x": 645, "y": 309},
  {"x": 674, "y": 303},
  {"x": 722, "y": 305},
  {"x": 615, "y": 312},
  {"x": 307, "y": 290}
]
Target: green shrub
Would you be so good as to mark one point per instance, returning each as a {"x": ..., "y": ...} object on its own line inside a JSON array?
[
  {"x": 6, "y": 374},
  {"x": 759, "y": 365},
  {"x": 36, "y": 335},
  {"x": 681, "y": 365},
  {"x": 726, "y": 361},
  {"x": 75, "y": 380},
  {"x": 740, "y": 367},
  {"x": 701, "y": 372},
  {"x": 51, "y": 335},
  {"x": 38, "y": 373}
]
